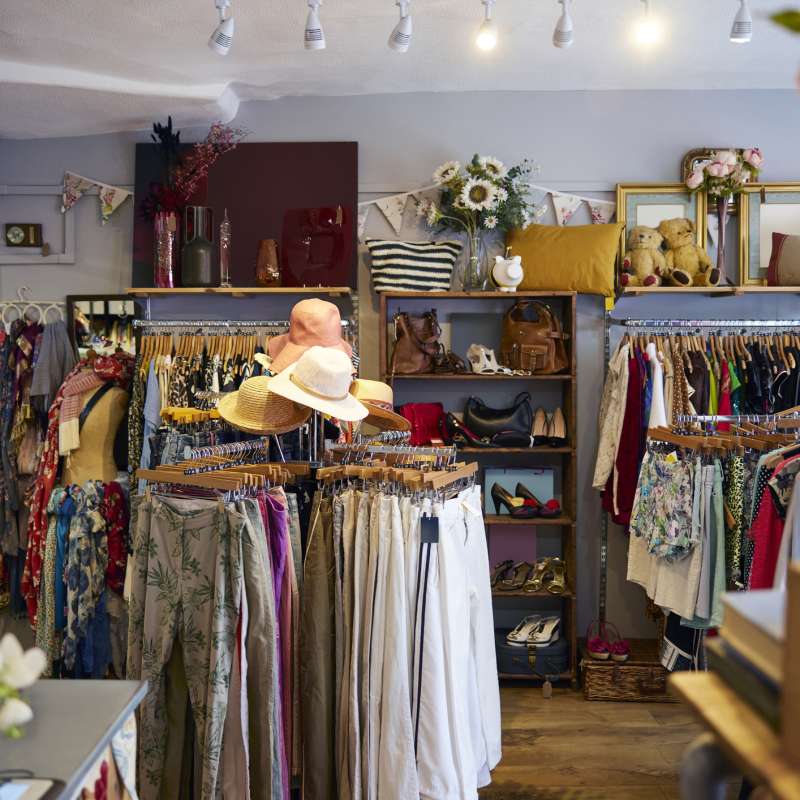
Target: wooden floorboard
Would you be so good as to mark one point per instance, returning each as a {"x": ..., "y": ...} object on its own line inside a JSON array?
[{"x": 566, "y": 748}]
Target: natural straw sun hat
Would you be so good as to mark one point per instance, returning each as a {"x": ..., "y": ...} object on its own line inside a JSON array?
[
  {"x": 379, "y": 400},
  {"x": 256, "y": 409}
]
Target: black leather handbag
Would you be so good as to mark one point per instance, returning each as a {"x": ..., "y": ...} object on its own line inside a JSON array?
[{"x": 485, "y": 421}]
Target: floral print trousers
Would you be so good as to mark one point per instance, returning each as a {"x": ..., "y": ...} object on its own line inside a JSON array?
[{"x": 187, "y": 584}]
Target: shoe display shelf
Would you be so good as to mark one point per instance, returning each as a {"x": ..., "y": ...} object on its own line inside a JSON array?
[{"x": 463, "y": 317}]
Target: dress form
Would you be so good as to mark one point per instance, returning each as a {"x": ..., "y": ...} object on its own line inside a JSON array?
[{"x": 94, "y": 459}]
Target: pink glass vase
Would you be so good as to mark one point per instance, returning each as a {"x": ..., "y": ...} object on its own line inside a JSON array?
[{"x": 166, "y": 240}]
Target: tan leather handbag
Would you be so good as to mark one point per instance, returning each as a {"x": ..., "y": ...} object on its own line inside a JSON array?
[
  {"x": 417, "y": 343},
  {"x": 533, "y": 345}
]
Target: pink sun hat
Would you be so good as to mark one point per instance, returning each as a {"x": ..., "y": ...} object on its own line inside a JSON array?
[{"x": 312, "y": 322}]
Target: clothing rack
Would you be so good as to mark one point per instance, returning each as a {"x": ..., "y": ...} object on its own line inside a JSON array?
[
  {"x": 382, "y": 449},
  {"x": 230, "y": 448},
  {"x": 690, "y": 324},
  {"x": 221, "y": 324},
  {"x": 384, "y": 437},
  {"x": 754, "y": 418}
]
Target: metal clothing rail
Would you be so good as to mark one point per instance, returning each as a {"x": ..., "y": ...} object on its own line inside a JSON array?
[
  {"x": 754, "y": 418},
  {"x": 706, "y": 323},
  {"x": 383, "y": 449},
  {"x": 230, "y": 448},
  {"x": 222, "y": 324}
]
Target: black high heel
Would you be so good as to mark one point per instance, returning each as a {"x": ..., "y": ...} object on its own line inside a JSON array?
[
  {"x": 552, "y": 508},
  {"x": 516, "y": 506}
]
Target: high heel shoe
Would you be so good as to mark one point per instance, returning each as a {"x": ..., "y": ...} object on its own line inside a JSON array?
[
  {"x": 536, "y": 576},
  {"x": 454, "y": 431},
  {"x": 539, "y": 429},
  {"x": 557, "y": 429},
  {"x": 552, "y": 508},
  {"x": 516, "y": 506},
  {"x": 500, "y": 571},
  {"x": 556, "y": 578}
]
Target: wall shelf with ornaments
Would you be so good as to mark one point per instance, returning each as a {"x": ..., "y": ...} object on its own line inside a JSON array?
[{"x": 241, "y": 291}]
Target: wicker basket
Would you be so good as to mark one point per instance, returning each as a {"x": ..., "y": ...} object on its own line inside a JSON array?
[{"x": 639, "y": 679}]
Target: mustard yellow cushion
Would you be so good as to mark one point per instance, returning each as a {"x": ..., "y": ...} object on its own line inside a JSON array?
[{"x": 578, "y": 258}]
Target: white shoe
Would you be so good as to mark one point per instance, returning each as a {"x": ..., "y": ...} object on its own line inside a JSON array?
[
  {"x": 484, "y": 362},
  {"x": 521, "y": 634},
  {"x": 545, "y": 633}
]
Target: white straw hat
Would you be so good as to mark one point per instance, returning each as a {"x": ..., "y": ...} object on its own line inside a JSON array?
[
  {"x": 320, "y": 379},
  {"x": 256, "y": 409}
]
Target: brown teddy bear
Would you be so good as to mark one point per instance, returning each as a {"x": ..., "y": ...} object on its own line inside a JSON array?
[
  {"x": 688, "y": 264},
  {"x": 644, "y": 263}
]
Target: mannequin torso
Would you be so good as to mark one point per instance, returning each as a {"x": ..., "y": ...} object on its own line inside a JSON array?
[{"x": 94, "y": 459}]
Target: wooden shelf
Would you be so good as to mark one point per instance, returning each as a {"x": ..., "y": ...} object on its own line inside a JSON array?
[
  {"x": 568, "y": 595},
  {"x": 241, "y": 291},
  {"x": 541, "y": 450},
  {"x": 476, "y": 295},
  {"x": 506, "y": 519},
  {"x": 470, "y": 376}
]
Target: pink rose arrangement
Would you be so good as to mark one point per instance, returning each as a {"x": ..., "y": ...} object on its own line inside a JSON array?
[{"x": 727, "y": 172}]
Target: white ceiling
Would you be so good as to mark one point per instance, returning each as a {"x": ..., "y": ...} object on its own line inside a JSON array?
[{"x": 123, "y": 63}]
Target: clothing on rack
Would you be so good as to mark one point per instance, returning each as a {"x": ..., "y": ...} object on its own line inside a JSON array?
[
  {"x": 397, "y": 662},
  {"x": 115, "y": 369},
  {"x": 213, "y": 610}
]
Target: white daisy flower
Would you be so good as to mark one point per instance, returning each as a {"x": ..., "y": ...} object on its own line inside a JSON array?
[
  {"x": 501, "y": 196},
  {"x": 446, "y": 172},
  {"x": 494, "y": 167},
  {"x": 478, "y": 194},
  {"x": 490, "y": 222}
]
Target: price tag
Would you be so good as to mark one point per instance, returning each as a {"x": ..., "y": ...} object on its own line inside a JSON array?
[{"x": 430, "y": 530}]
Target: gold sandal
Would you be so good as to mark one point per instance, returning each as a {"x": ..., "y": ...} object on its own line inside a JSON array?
[
  {"x": 534, "y": 581},
  {"x": 518, "y": 574},
  {"x": 557, "y": 584}
]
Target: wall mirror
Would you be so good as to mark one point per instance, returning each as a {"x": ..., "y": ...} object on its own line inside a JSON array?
[
  {"x": 767, "y": 208},
  {"x": 103, "y": 323},
  {"x": 650, "y": 204}
]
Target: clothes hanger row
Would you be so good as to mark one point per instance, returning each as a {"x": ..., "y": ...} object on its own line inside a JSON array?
[
  {"x": 410, "y": 478},
  {"x": 737, "y": 440}
]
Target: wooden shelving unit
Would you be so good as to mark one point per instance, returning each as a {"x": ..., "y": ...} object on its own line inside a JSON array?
[
  {"x": 564, "y": 526},
  {"x": 241, "y": 291}
]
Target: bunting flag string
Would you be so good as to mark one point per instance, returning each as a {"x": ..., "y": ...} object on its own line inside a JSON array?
[
  {"x": 110, "y": 197},
  {"x": 564, "y": 205}
]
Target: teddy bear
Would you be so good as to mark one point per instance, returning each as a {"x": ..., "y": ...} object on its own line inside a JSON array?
[
  {"x": 644, "y": 263},
  {"x": 688, "y": 264}
]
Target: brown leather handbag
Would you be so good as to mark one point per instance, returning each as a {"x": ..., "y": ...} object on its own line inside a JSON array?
[
  {"x": 417, "y": 346},
  {"x": 534, "y": 345}
]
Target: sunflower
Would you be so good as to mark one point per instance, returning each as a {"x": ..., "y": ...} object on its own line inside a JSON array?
[
  {"x": 493, "y": 167},
  {"x": 478, "y": 194},
  {"x": 446, "y": 172}
]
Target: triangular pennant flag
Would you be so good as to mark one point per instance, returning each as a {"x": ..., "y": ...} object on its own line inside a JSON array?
[
  {"x": 565, "y": 205},
  {"x": 392, "y": 208},
  {"x": 74, "y": 187},
  {"x": 602, "y": 211},
  {"x": 363, "y": 213},
  {"x": 111, "y": 198}
]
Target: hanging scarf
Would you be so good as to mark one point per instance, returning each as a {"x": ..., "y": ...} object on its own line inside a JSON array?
[{"x": 117, "y": 368}]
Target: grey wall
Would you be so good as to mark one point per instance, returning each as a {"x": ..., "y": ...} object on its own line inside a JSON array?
[{"x": 584, "y": 141}]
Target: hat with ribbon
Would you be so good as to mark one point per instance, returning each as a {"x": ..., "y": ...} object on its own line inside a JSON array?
[
  {"x": 256, "y": 409},
  {"x": 312, "y": 322},
  {"x": 379, "y": 400},
  {"x": 320, "y": 379}
]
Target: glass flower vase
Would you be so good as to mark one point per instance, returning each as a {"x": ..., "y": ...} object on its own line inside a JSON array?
[
  {"x": 165, "y": 249},
  {"x": 475, "y": 274}
]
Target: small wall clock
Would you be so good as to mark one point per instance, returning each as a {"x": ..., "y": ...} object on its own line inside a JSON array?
[{"x": 23, "y": 234}]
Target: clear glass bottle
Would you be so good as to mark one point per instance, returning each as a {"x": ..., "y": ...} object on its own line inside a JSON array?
[{"x": 225, "y": 252}]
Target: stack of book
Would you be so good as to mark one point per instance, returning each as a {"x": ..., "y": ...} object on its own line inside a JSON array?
[{"x": 748, "y": 653}]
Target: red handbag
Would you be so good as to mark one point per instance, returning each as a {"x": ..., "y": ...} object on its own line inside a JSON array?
[{"x": 426, "y": 420}]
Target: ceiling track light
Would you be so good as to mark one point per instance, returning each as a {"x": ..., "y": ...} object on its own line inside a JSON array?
[
  {"x": 222, "y": 37},
  {"x": 563, "y": 35},
  {"x": 742, "y": 28},
  {"x": 487, "y": 33},
  {"x": 647, "y": 29},
  {"x": 400, "y": 38},
  {"x": 314, "y": 37}
]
